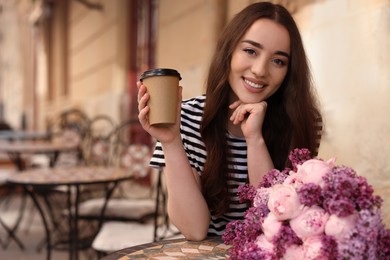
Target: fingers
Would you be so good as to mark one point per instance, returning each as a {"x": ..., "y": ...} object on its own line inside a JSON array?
[
  {"x": 235, "y": 104},
  {"x": 142, "y": 96},
  {"x": 141, "y": 90},
  {"x": 143, "y": 108},
  {"x": 238, "y": 114},
  {"x": 243, "y": 111},
  {"x": 143, "y": 116}
]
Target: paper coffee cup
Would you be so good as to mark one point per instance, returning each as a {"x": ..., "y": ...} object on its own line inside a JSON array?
[{"x": 163, "y": 87}]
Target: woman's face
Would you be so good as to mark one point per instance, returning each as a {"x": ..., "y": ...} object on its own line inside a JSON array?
[{"x": 259, "y": 62}]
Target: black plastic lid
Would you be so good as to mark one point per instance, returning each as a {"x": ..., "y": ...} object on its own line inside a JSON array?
[{"x": 160, "y": 72}]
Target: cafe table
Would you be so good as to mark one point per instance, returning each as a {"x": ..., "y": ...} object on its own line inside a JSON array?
[
  {"x": 210, "y": 248},
  {"x": 22, "y": 143},
  {"x": 15, "y": 150},
  {"x": 36, "y": 182},
  {"x": 14, "y": 135}
]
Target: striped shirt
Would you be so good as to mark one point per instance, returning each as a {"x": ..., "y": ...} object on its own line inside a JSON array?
[{"x": 191, "y": 116}]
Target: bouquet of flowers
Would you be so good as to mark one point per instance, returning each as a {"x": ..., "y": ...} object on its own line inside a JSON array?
[{"x": 316, "y": 210}]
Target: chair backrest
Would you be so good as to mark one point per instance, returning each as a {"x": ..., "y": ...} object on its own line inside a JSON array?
[
  {"x": 131, "y": 148},
  {"x": 99, "y": 140},
  {"x": 71, "y": 126}
]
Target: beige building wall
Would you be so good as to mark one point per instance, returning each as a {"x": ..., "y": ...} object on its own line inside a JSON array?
[
  {"x": 15, "y": 41},
  {"x": 186, "y": 37},
  {"x": 97, "y": 59},
  {"x": 88, "y": 56},
  {"x": 348, "y": 43}
]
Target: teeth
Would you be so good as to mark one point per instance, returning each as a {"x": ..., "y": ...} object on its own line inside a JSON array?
[{"x": 253, "y": 85}]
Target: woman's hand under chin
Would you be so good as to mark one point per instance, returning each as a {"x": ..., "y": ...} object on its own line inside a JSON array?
[{"x": 250, "y": 116}]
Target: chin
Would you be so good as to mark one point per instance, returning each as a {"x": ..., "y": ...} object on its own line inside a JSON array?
[{"x": 251, "y": 100}]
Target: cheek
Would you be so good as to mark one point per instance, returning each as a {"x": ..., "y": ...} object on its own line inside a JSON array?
[
  {"x": 233, "y": 64},
  {"x": 238, "y": 63},
  {"x": 278, "y": 77},
  {"x": 235, "y": 70}
]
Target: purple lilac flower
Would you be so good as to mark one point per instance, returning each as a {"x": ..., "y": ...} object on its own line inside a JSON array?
[
  {"x": 383, "y": 243},
  {"x": 252, "y": 252},
  {"x": 340, "y": 206},
  {"x": 246, "y": 192},
  {"x": 285, "y": 238},
  {"x": 362, "y": 243},
  {"x": 342, "y": 180},
  {"x": 344, "y": 188},
  {"x": 310, "y": 194},
  {"x": 231, "y": 231},
  {"x": 299, "y": 156},
  {"x": 365, "y": 197},
  {"x": 273, "y": 177},
  {"x": 234, "y": 235},
  {"x": 262, "y": 211},
  {"x": 252, "y": 223},
  {"x": 329, "y": 248}
]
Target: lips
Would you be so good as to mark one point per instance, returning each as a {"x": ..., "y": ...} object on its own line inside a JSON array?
[{"x": 254, "y": 84}]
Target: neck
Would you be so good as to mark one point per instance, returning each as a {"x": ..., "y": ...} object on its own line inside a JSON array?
[{"x": 235, "y": 130}]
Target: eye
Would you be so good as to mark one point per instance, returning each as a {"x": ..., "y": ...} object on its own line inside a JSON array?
[
  {"x": 279, "y": 62},
  {"x": 250, "y": 51}
]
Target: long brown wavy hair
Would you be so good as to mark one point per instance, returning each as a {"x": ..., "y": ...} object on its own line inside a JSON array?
[{"x": 292, "y": 113}]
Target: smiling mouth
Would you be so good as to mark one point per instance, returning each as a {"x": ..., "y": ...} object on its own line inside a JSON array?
[{"x": 254, "y": 85}]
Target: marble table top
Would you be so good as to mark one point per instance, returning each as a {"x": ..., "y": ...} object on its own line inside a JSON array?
[{"x": 210, "y": 248}]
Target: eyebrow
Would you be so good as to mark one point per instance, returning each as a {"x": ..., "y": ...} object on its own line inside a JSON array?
[{"x": 260, "y": 46}]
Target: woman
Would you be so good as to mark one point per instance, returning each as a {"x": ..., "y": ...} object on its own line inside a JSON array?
[{"x": 258, "y": 106}]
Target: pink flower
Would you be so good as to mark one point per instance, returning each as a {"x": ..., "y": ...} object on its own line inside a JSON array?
[
  {"x": 313, "y": 170},
  {"x": 271, "y": 226},
  {"x": 264, "y": 244},
  {"x": 295, "y": 180},
  {"x": 339, "y": 227},
  {"x": 312, "y": 248},
  {"x": 261, "y": 196},
  {"x": 284, "y": 202},
  {"x": 293, "y": 252},
  {"x": 310, "y": 223}
]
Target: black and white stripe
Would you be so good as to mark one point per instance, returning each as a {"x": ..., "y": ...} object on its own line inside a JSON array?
[{"x": 191, "y": 116}]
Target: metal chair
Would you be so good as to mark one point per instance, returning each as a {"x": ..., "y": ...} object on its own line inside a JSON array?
[
  {"x": 98, "y": 143},
  {"x": 132, "y": 200},
  {"x": 70, "y": 127},
  {"x": 133, "y": 204}
]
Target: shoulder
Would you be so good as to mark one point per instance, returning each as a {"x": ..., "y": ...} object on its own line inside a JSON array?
[
  {"x": 193, "y": 107},
  {"x": 194, "y": 102}
]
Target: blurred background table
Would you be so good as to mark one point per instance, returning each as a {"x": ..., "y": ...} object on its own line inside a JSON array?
[
  {"x": 16, "y": 145},
  {"x": 15, "y": 150},
  {"x": 210, "y": 248},
  {"x": 36, "y": 182},
  {"x": 11, "y": 135}
]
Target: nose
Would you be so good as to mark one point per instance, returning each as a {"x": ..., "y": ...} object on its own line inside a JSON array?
[{"x": 260, "y": 67}]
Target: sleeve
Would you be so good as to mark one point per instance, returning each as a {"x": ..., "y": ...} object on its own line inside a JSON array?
[
  {"x": 157, "y": 160},
  {"x": 191, "y": 115}
]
